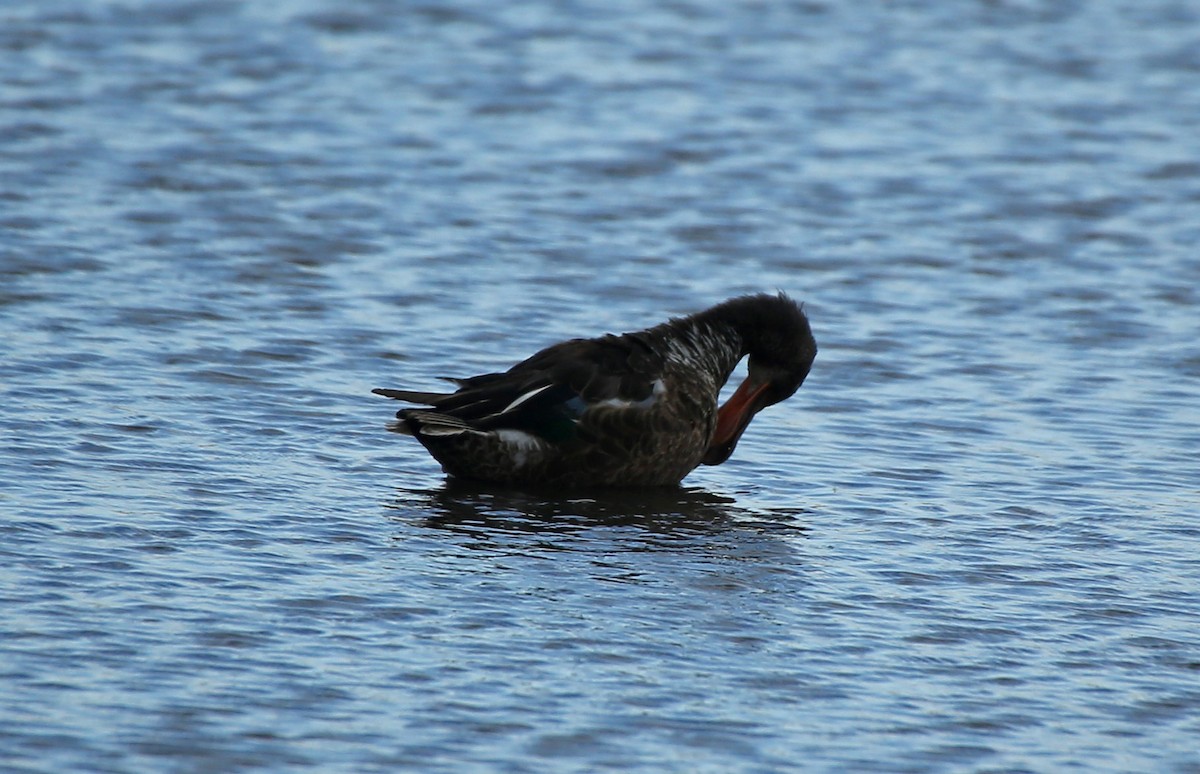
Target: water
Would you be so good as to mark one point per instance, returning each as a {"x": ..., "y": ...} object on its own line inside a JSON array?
[{"x": 968, "y": 544}]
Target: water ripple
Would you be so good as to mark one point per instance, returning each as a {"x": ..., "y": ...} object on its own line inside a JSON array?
[{"x": 966, "y": 543}]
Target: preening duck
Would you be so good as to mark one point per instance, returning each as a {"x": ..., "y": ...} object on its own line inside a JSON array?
[{"x": 638, "y": 409}]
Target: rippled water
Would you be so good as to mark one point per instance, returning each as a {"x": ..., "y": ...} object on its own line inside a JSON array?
[{"x": 969, "y": 542}]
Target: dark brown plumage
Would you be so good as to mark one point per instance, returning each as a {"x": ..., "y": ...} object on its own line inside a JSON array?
[{"x": 628, "y": 410}]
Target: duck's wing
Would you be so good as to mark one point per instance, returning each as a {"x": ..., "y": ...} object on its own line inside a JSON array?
[{"x": 548, "y": 393}]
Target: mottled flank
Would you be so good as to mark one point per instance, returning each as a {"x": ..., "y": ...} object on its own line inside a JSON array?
[{"x": 638, "y": 409}]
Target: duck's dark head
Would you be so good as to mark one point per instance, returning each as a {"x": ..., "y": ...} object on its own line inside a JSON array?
[{"x": 776, "y": 335}]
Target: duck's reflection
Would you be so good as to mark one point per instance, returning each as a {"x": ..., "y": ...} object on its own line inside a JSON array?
[{"x": 466, "y": 506}]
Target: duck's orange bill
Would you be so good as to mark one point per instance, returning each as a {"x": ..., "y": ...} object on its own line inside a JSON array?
[{"x": 733, "y": 417}]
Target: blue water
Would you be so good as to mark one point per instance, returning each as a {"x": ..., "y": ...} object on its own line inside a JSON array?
[{"x": 969, "y": 543}]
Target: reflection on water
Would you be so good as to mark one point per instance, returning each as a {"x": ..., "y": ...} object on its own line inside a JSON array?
[{"x": 471, "y": 507}]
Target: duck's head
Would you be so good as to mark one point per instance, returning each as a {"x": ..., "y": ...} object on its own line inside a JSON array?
[{"x": 776, "y": 336}]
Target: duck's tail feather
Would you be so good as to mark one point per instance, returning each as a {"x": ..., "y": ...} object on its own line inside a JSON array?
[
  {"x": 413, "y": 396},
  {"x": 432, "y": 423}
]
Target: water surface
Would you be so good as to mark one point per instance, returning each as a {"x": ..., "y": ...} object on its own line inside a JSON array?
[{"x": 968, "y": 543}]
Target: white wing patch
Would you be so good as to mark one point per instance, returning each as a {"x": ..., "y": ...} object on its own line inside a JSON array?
[
  {"x": 521, "y": 444},
  {"x": 659, "y": 390},
  {"x": 521, "y": 399}
]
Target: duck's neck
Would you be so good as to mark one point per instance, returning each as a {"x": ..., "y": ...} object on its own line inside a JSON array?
[{"x": 711, "y": 346}]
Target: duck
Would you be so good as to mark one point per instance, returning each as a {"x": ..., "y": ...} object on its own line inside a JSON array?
[{"x": 627, "y": 410}]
